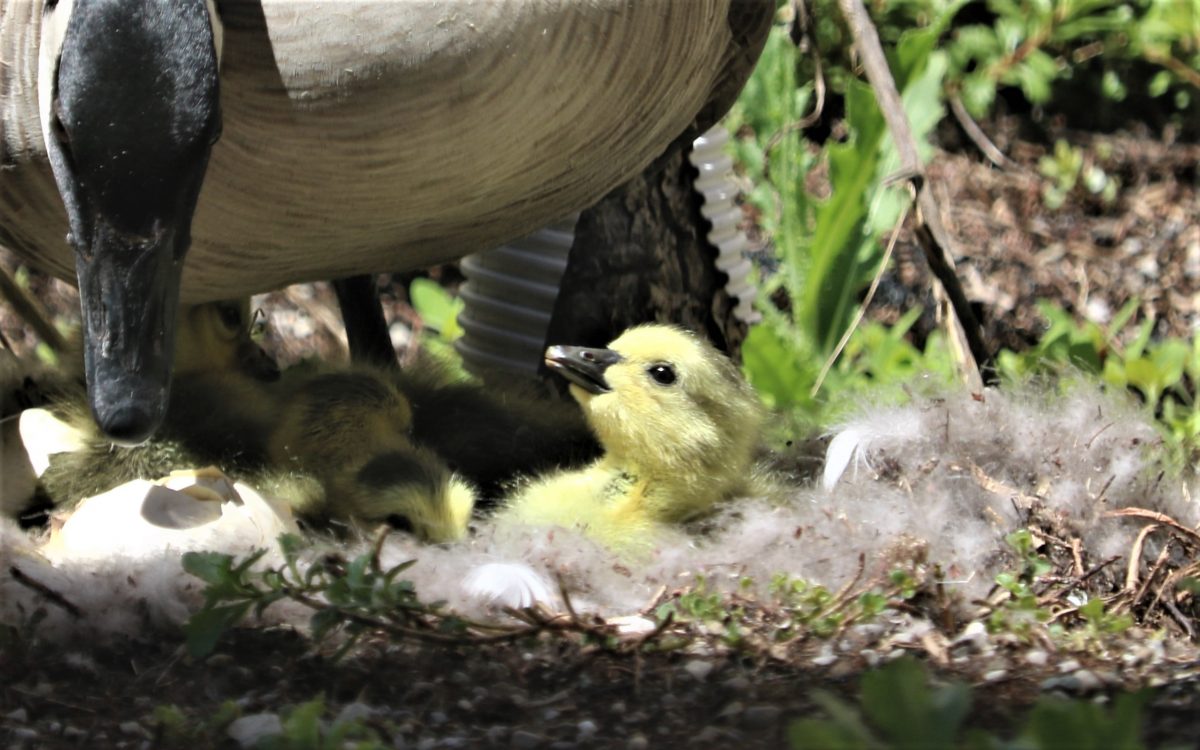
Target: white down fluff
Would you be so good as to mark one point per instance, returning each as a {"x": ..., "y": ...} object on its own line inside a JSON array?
[{"x": 940, "y": 471}]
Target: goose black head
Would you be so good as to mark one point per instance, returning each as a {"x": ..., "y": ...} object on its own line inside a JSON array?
[{"x": 130, "y": 109}]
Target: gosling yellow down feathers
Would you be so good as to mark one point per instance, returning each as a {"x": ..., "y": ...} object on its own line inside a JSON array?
[
  {"x": 678, "y": 426},
  {"x": 333, "y": 443}
]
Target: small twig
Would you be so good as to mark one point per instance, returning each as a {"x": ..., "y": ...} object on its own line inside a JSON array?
[
  {"x": 1184, "y": 622},
  {"x": 1077, "y": 555},
  {"x": 976, "y": 134},
  {"x": 566, "y": 597},
  {"x": 1154, "y": 571},
  {"x": 800, "y": 33},
  {"x": 1098, "y": 567},
  {"x": 30, "y": 310},
  {"x": 377, "y": 548},
  {"x": 652, "y": 603},
  {"x": 932, "y": 235},
  {"x": 51, "y": 595},
  {"x": 1096, "y": 434},
  {"x": 1176, "y": 66},
  {"x": 1135, "y": 557},
  {"x": 1155, "y": 516},
  {"x": 658, "y": 630}
]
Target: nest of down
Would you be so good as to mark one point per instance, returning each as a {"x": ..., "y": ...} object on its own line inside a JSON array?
[{"x": 935, "y": 487}]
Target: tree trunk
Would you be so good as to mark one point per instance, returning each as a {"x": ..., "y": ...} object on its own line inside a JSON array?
[{"x": 640, "y": 255}]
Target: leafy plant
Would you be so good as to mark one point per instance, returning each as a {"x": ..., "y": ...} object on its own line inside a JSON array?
[
  {"x": 1064, "y": 169},
  {"x": 175, "y": 728},
  {"x": 439, "y": 312},
  {"x": 1163, "y": 373},
  {"x": 827, "y": 249},
  {"x": 899, "y": 708},
  {"x": 304, "y": 729},
  {"x": 1021, "y": 611},
  {"x": 349, "y": 597},
  {"x": 438, "y": 308}
]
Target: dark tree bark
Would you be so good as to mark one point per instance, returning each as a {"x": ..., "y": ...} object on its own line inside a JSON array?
[{"x": 640, "y": 255}]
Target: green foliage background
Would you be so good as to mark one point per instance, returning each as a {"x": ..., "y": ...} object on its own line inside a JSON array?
[{"x": 828, "y": 241}]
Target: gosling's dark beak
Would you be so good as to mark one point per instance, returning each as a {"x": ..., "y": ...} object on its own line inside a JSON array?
[
  {"x": 130, "y": 109},
  {"x": 582, "y": 366}
]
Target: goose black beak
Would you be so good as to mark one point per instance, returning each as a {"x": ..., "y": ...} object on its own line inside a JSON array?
[
  {"x": 129, "y": 295},
  {"x": 583, "y": 366}
]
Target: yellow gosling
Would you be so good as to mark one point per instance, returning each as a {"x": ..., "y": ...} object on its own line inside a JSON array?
[{"x": 678, "y": 426}]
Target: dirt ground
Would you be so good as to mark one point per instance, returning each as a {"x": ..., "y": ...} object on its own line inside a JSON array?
[{"x": 1089, "y": 256}]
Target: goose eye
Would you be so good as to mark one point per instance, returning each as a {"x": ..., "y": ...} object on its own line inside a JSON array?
[{"x": 662, "y": 374}]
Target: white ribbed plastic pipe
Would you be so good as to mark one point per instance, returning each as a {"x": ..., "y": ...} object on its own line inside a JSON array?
[
  {"x": 510, "y": 291},
  {"x": 716, "y": 186}
]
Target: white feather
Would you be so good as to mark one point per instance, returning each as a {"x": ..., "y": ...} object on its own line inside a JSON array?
[
  {"x": 512, "y": 584},
  {"x": 44, "y": 434}
]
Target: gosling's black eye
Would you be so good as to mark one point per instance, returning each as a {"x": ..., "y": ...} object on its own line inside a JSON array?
[{"x": 662, "y": 374}]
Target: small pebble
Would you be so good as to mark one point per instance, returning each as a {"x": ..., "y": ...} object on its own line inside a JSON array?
[
  {"x": 523, "y": 740},
  {"x": 738, "y": 684},
  {"x": 131, "y": 727},
  {"x": 707, "y": 737},
  {"x": 352, "y": 712},
  {"x": 496, "y": 734},
  {"x": 586, "y": 729},
  {"x": 698, "y": 669},
  {"x": 249, "y": 730},
  {"x": 761, "y": 717},
  {"x": 975, "y": 635},
  {"x": 24, "y": 733},
  {"x": 638, "y": 742},
  {"x": 20, "y": 716},
  {"x": 1087, "y": 680},
  {"x": 994, "y": 675},
  {"x": 1037, "y": 658},
  {"x": 1068, "y": 665}
]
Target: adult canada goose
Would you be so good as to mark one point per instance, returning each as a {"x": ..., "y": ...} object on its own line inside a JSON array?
[
  {"x": 678, "y": 425},
  {"x": 354, "y": 136}
]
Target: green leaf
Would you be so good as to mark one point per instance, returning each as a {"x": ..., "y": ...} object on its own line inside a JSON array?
[
  {"x": 438, "y": 308},
  {"x": 211, "y": 567},
  {"x": 323, "y": 622},
  {"x": 205, "y": 627}
]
